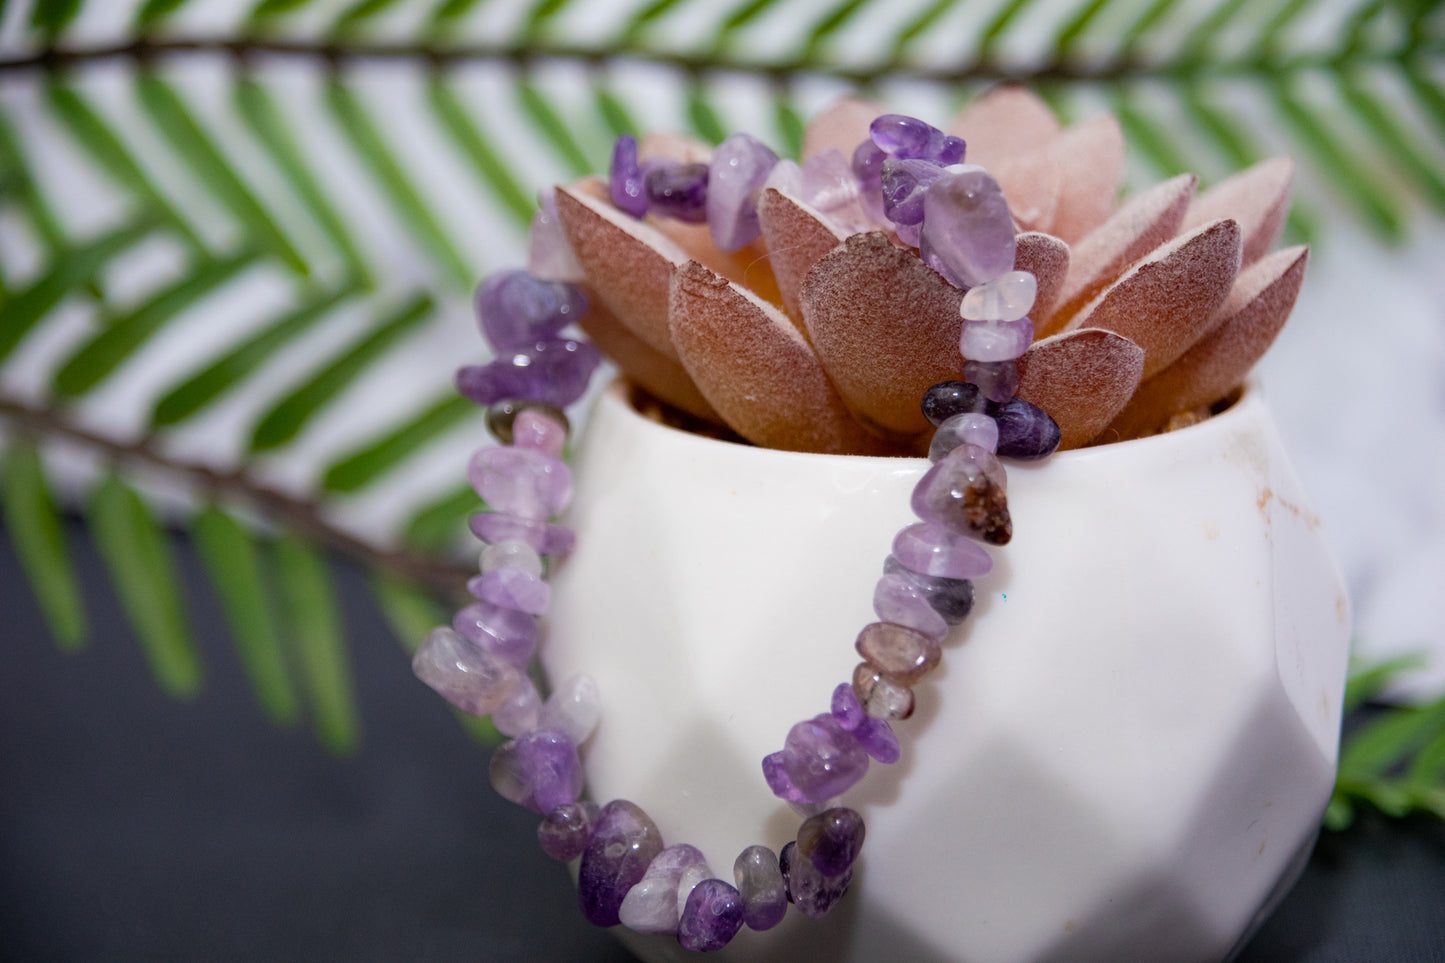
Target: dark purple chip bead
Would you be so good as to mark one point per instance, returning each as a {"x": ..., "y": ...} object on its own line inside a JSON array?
[
  {"x": 516, "y": 309},
  {"x": 878, "y": 739},
  {"x": 678, "y": 191},
  {"x": 623, "y": 843},
  {"x": 948, "y": 398},
  {"x": 904, "y": 183},
  {"x": 832, "y": 840},
  {"x": 809, "y": 890},
  {"x": 555, "y": 371},
  {"x": 846, "y": 708},
  {"x": 1025, "y": 431},
  {"x": 951, "y": 598},
  {"x": 711, "y": 917},
  {"x": 625, "y": 181},
  {"x": 563, "y": 832}
]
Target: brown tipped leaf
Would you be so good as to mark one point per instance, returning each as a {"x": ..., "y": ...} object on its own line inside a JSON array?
[
  {"x": 1047, "y": 258},
  {"x": 663, "y": 377},
  {"x": 1091, "y": 157},
  {"x": 1003, "y": 124},
  {"x": 1082, "y": 379},
  {"x": 1250, "y": 318},
  {"x": 796, "y": 236},
  {"x": 1257, "y": 198},
  {"x": 843, "y": 126},
  {"x": 885, "y": 326},
  {"x": 757, "y": 370},
  {"x": 628, "y": 263},
  {"x": 1167, "y": 301},
  {"x": 1141, "y": 225}
]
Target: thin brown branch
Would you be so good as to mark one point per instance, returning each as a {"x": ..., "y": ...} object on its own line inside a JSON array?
[{"x": 300, "y": 516}]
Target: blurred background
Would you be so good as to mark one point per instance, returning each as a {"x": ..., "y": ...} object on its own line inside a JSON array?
[{"x": 238, "y": 240}]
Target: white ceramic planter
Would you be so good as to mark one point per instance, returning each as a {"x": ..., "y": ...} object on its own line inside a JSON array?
[{"x": 1126, "y": 751}]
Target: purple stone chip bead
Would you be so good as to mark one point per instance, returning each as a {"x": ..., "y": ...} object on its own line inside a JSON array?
[
  {"x": 521, "y": 713},
  {"x": 951, "y": 598},
  {"x": 995, "y": 340},
  {"x": 470, "y": 678},
  {"x": 712, "y": 917},
  {"x": 813, "y": 893},
  {"x": 624, "y": 841},
  {"x": 545, "y": 537},
  {"x": 563, "y": 832},
  {"x": 867, "y": 165},
  {"x": 931, "y": 549},
  {"x": 949, "y": 398},
  {"x": 832, "y": 840},
  {"x": 966, "y": 493},
  {"x": 516, "y": 309},
  {"x": 740, "y": 166},
  {"x": 878, "y": 739},
  {"x": 534, "y": 430},
  {"x": 512, "y": 588},
  {"x": 822, "y": 759},
  {"x": 845, "y": 707},
  {"x": 829, "y": 184},
  {"x": 549, "y": 256},
  {"x": 997, "y": 381},
  {"x": 521, "y": 482},
  {"x": 908, "y": 137},
  {"x": 968, "y": 232},
  {"x": 625, "y": 182},
  {"x": 504, "y": 632},
  {"x": 1025, "y": 431},
  {"x": 759, "y": 880},
  {"x": 904, "y": 184},
  {"x": 539, "y": 770},
  {"x": 555, "y": 371},
  {"x": 574, "y": 708},
  {"x": 775, "y": 774},
  {"x": 897, "y": 600},
  {"x": 678, "y": 191},
  {"x": 968, "y": 428},
  {"x": 653, "y": 906}
]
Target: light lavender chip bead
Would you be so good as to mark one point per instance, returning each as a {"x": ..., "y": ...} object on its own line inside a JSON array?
[
  {"x": 878, "y": 739},
  {"x": 549, "y": 760},
  {"x": 995, "y": 340},
  {"x": 549, "y": 256},
  {"x": 968, "y": 232},
  {"x": 651, "y": 906},
  {"x": 845, "y": 707},
  {"x": 965, "y": 492},
  {"x": 712, "y": 917},
  {"x": 1007, "y": 297},
  {"x": 623, "y": 844},
  {"x": 520, "y": 482},
  {"x": 574, "y": 708},
  {"x": 966, "y": 428},
  {"x": 775, "y": 774},
  {"x": 952, "y": 598},
  {"x": 533, "y": 430},
  {"x": 545, "y": 537},
  {"x": 564, "y": 831},
  {"x": 504, "y": 632},
  {"x": 512, "y": 588},
  {"x": 931, "y": 549},
  {"x": 759, "y": 881},
  {"x": 691, "y": 876},
  {"x": 519, "y": 714},
  {"x": 510, "y": 553},
  {"x": 897, "y": 600},
  {"x": 473, "y": 680},
  {"x": 739, "y": 169},
  {"x": 998, "y": 381},
  {"x": 822, "y": 759}
]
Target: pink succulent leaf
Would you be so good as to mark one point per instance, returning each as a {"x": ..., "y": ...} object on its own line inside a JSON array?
[
  {"x": 1047, "y": 258},
  {"x": 1092, "y": 156},
  {"x": 842, "y": 126},
  {"x": 1082, "y": 378},
  {"x": 1167, "y": 302},
  {"x": 1005, "y": 123},
  {"x": 1032, "y": 184},
  {"x": 796, "y": 236},
  {"x": 757, "y": 370},
  {"x": 661, "y": 376},
  {"x": 1249, "y": 320},
  {"x": 1258, "y": 198}
]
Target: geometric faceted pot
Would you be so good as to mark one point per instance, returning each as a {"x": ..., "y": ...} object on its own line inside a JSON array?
[{"x": 1124, "y": 755}]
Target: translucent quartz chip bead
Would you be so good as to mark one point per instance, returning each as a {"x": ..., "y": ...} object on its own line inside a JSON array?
[
  {"x": 691, "y": 876},
  {"x": 651, "y": 906},
  {"x": 967, "y": 428},
  {"x": 678, "y": 191},
  {"x": 874, "y": 735},
  {"x": 812, "y": 892},
  {"x": 832, "y": 840},
  {"x": 510, "y": 553},
  {"x": 968, "y": 232},
  {"x": 930, "y": 549},
  {"x": 829, "y": 184},
  {"x": 563, "y": 832},
  {"x": 822, "y": 759},
  {"x": 897, "y": 600},
  {"x": 546, "y": 538},
  {"x": 740, "y": 166},
  {"x": 625, "y": 179},
  {"x": 541, "y": 430},
  {"x": 520, "y": 482},
  {"x": 996, "y": 380},
  {"x": 516, "y": 309},
  {"x": 951, "y": 598},
  {"x": 949, "y": 398},
  {"x": 901, "y": 654},
  {"x": 549, "y": 256},
  {"x": 1007, "y": 297},
  {"x": 520, "y": 714},
  {"x": 1025, "y": 431},
  {"x": 512, "y": 588},
  {"x": 574, "y": 708},
  {"x": 712, "y": 917},
  {"x": 995, "y": 341},
  {"x": 475, "y": 681},
  {"x": 965, "y": 492},
  {"x": 759, "y": 880},
  {"x": 881, "y": 697},
  {"x": 505, "y": 633},
  {"x": 624, "y": 842}
]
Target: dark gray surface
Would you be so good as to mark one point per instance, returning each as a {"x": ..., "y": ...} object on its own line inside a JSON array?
[{"x": 135, "y": 827}]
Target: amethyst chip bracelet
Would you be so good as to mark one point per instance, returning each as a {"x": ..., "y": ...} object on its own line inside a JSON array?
[{"x": 908, "y": 179}]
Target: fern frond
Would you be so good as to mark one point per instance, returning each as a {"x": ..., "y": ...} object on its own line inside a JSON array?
[
  {"x": 313, "y": 624},
  {"x": 35, "y": 528}
]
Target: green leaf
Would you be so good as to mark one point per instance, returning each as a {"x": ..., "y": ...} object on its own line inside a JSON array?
[
  {"x": 133, "y": 547},
  {"x": 113, "y": 159},
  {"x": 153, "y": 12},
  {"x": 632, "y": 33},
  {"x": 1340, "y": 813},
  {"x": 175, "y": 122},
  {"x": 917, "y": 27},
  {"x": 229, "y": 554},
  {"x": 1369, "y": 681},
  {"x": 36, "y": 533},
  {"x": 53, "y": 16},
  {"x": 1201, "y": 38},
  {"x": 703, "y": 117},
  {"x": 37, "y": 208},
  {"x": 286, "y": 419},
  {"x": 551, "y": 126},
  {"x": 440, "y": 523},
  {"x": 98, "y": 358},
  {"x": 614, "y": 113},
  {"x": 69, "y": 271},
  {"x": 1076, "y": 26},
  {"x": 505, "y": 185},
  {"x": 313, "y": 625},
  {"x": 1385, "y": 741},
  {"x": 541, "y": 15},
  {"x": 452, "y": 10},
  {"x": 828, "y": 25},
  {"x": 265, "y": 120},
  {"x": 790, "y": 126},
  {"x": 359, "y": 468},
  {"x": 409, "y": 610},
  {"x": 395, "y": 183},
  {"x": 359, "y": 12},
  {"x": 238, "y": 363},
  {"x": 1138, "y": 31},
  {"x": 997, "y": 27},
  {"x": 268, "y": 10},
  {"x": 1402, "y": 148},
  {"x": 1149, "y": 137}
]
